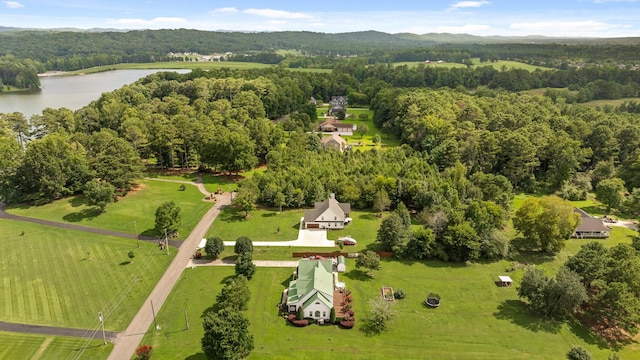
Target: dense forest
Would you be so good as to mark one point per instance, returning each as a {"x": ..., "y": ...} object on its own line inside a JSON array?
[{"x": 74, "y": 50}]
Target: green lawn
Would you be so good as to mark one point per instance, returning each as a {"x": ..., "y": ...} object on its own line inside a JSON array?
[
  {"x": 31, "y": 346},
  {"x": 613, "y": 102},
  {"x": 262, "y": 224},
  {"x": 137, "y": 209},
  {"x": 498, "y": 65},
  {"x": 477, "y": 319},
  {"x": 57, "y": 277}
]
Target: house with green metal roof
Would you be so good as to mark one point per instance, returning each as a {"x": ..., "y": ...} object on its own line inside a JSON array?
[{"x": 312, "y": 289}]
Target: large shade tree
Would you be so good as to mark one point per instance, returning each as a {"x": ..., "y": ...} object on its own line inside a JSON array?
[
  {"x": 546, "y": 222},
  {"x": 226, "y": 335}
]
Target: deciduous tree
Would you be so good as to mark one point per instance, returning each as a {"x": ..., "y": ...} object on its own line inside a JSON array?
[
  {"x": 168, "y": 217},
  {"x": 226, "y": 336},
  {"x": 235, "y": 294},
  {"x": 99, "y": 193},
  {"x": 214, "y": 246},
  {"x": 546, "y": 222},
  {"x": 245, "y": 265},
  {"x": 611, "y": 193},
  {"x": 368, "y": 260},
  {"x": 392, "y": 233}
]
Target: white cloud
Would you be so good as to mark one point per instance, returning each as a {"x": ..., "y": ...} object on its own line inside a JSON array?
[
  {"x": 226, "y": 10},
  {"x": 277, "y": 22},
  {"x": 469, "y": 4},
  {"x": 159, "y": 21},
  {"x": 277, "y": 14},
  {"x": 563, "y": 27},
  {"x": 13, "y": 4}
]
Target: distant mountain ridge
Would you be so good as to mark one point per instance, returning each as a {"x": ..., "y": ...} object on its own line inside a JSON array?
[{"x": 145, "y": 45}]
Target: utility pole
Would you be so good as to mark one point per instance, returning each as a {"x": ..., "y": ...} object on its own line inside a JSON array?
[
  {"x": 135, "y": 225},
  {"x": 104, "y": 338},
  {"x": 154, "y": 315},
  {"x": 185, "y": 318}
]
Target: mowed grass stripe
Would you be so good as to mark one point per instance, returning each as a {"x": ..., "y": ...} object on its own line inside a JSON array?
[
  {"x": 62, "y": 287},
  {"x": 33, "y": 346}
]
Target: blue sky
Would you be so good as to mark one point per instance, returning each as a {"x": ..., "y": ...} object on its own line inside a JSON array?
[{"x": 576, "y": 18}]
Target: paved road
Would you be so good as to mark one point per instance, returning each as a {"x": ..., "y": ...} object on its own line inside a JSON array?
[
  {"x": 127, "y": 342},
  {"x": 57, "y": 331}
]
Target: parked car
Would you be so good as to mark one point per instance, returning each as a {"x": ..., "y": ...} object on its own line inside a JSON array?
[{"x": 348, "y": 240}]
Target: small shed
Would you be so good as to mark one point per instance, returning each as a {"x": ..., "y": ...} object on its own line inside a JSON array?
[
  {"x": 342, "y": 266},
  {"x": 505, "y": 280},
  {"x": 201, "y": 244}
]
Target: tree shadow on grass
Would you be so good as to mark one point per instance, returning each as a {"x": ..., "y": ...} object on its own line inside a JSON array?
[
  {"x": 590, "y": 337},
  {"x": 125, "y": 263},
  {"x": 517, "y": 312},
  {"x": 150, "y": 233},
  {"x": 357, "y": 274},
  {"x": 231, "y": 214},
  {"x": 84, "y": 214},
  {"x": 270, "y": 214},
  {"x": 77, "y": 201},
  {"x": 196, "y": 356}
]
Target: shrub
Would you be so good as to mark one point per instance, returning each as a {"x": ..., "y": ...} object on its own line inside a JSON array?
[
  {"x": 578, "y": 353},
  {"x": 301, "y": 323},
  {"x": 143, "y": 352},
  {"x": 347, "y": 324},
  {"x": 399, "y": 294},
  {"x": 183, "y": 187}
]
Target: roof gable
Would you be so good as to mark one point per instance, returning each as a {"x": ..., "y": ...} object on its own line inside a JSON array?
[
  {"x": 314, "y": 276},
  {"x": 331, "y": 209}
]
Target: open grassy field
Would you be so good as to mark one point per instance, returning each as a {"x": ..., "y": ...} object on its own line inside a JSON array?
[
  {"x": 31, "y": 346},
  {"x": 612, "y": 102},
  {"x": 183, "y": 65},
  {"x": 137, "y": 209},
  {"x": 57, "y": 277},
  {"x": 498, "y": 65},
  {"x": 477, "y": 319},
  {"x": 212, "y": 182},
  {"x": 262, "y": 224}
]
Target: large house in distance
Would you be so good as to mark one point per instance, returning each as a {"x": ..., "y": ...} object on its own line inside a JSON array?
[
  {"x": 338, "y": 103},
  {"x": 328, "y": 214},
  {"x": 335, "y": 142},
  {"x": 312, "y": 289},
  {"x": 333, "y": 125},
  {"x": 590, "y": 227}
]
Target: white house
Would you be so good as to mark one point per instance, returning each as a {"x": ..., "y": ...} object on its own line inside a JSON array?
[
  {"x": 312, "y": 289},
  {"x": 328, "y": 214}
]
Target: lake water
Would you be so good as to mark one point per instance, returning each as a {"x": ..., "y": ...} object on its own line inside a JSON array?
[{"x": 72, "y": 92}]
